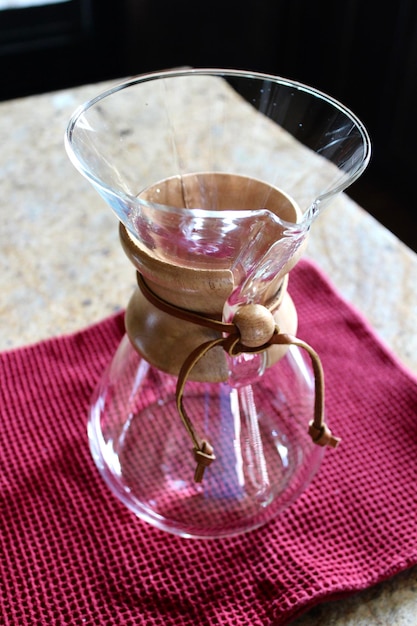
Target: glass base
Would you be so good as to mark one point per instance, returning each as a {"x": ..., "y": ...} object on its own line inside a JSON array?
[{"x": 264, "y": 456}]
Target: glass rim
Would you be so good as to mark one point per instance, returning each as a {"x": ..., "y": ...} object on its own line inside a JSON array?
[{"x": 220, "y": 72}]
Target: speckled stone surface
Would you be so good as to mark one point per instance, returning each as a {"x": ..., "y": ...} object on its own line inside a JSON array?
[{"x": 62, "y": 268}]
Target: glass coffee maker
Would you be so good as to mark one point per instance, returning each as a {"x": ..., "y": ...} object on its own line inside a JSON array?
[{"x": 209, "y": 421}]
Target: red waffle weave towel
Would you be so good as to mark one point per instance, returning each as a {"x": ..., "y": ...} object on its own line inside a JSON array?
[{"x": 72, "y": 554}]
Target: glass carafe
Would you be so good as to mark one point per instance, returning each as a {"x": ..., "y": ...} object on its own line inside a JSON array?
[{"x": 209, "y": 420}]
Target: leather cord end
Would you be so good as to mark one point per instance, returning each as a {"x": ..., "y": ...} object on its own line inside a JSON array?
[
  {"x": 323, "y": 436},
  {"x": 204, "y": 457}
]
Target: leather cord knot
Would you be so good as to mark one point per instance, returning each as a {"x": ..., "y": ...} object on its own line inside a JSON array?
[
  {"x": 232, "y": 340},
  {"x": 322, "y": 436},
  {"x": 203, "y": 457}
]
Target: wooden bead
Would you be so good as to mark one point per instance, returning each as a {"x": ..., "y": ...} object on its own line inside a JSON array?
[{"x": 256, "y": 324}]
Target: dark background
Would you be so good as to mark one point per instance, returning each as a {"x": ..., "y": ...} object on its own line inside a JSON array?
[{"x": 362, "y": 52}]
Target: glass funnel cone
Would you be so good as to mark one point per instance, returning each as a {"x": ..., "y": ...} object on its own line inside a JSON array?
[{"x": 216, "y": 177}]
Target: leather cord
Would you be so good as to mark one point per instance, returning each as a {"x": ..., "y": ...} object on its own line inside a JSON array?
[{"x": 230, "y": 341}]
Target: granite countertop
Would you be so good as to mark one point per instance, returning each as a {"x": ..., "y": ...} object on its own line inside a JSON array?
[{"x": 62, "y": 268}]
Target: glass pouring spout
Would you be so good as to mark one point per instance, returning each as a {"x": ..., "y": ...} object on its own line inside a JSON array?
[{"x": 216, "y": 177}]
